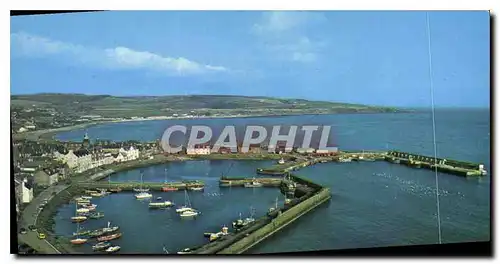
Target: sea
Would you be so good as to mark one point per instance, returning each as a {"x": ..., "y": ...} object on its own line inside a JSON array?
[{"x": 374, "y": 204}]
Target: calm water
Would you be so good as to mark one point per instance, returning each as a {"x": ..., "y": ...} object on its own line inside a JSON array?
[{"x": 374, "y": 204}]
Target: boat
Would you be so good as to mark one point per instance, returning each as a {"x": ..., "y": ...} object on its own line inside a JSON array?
[
  {"x": 96, "y": 194},
  {"x": 185, "y": 251},
  {"x": 281, "y": 161},
  {"x": 82, "y": 210},
  {"x": 96, "y": 215},
  {"x": 81, "y": 233},
  {"x": 240, "y": 223},
  {"x": 143, "y": 195},
  {"x": 115, "y": 190},
  {"x": 187, "y": 205},
  {"x": 78, "y": 240},
  {"x": 196, "y": 188},
  {"x": 109, "y": 228},
  {"x": 101, "y": 246},
  {"x": 253, "y": 184},
  {"x": 218, "y": 235},
  {"x": 96, "y": 233},
  {"x": 272, "y": 209},
  {"x": 109, "y": 237},
  {"x": 169, "y": 189},
  {"x": 113, "y": 249},
  {"x": 160, "y": 204},
  {"x": 81, "y": 199},
  {"x": 78, "y": 219},
  {"x": 88, "y": 205},
  {"x": 158, "y": 198},
  {"x": 189, "y": 213},
  {"x": 86, "y": 197},
  {"x": 345, "y": 159}
]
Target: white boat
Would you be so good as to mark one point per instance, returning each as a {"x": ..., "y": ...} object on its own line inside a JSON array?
[
  {"x": 109, "y": 228},
  {"x": 113, "y": 249},
  {"x": 186, "y": 209},
  {"x": 82, "y": 210},
  {"x": 160, "y": 204},
  {"x": 345, "y": 160},
  {"x": 281, "y": 161},
  {"x": 140, "y": 190},
  {"x": 189, "y": 213},
  {"x": 253, "y": 184},
  {"x": 86, "y": 197},
  {"x": 143, "y": 195}
]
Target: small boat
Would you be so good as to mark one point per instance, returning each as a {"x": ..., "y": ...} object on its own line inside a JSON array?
[
  {"x": 87, "y": 197},
  {"x": 184, "y": 251},
  {"x": 183, "y": 209},
  {"x": 96, "y": 215},
  {"x": 110, "y": 237},
  {"x": 253, "y": 184},
  {"x": 78, "y": 219},
  {"x": 112, "y": 249},
  {"x": 143, "y": 195},
  {"x": 81, "y": 233},
  {"x": 101, "y": 246},
  {"x": 110, "y": 229},
  {"x": 169, "y": 189},
  {"x": 140, "y": 190},
  {"x": 78, "y": 241},
  {"x": 281, "y": 161},
  {"x": 115, "y": 190},
  {"x": 186, "y": 207},
  {"x": 218, "y": 235},
  {"x": 196, "y": 188},
  {"x": 158, "y": 198},
  {"x": 82, "y": 210},
  {"x": 90, "y": 191},
  {"x": 345, "y": 160},
  {"x": 88, "y": 205},
  {"x": 189, "y": 213},
  {"x": 160, "y": 204},
  {"x": 96, "y": 194},
  {"x": 83, "y": 203},
  {"x": 96, "y": 233}
]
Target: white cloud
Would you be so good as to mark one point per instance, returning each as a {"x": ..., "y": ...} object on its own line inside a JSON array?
[
  {"x": 113, "y": 58},
  {"x": 284, "y": 32}
]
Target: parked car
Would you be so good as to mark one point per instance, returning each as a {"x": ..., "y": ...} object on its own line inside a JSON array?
[
  {"x": 41, "y": 236},
  {"x": 22, "y": 230},
  {"x": 32, "y": 228}
]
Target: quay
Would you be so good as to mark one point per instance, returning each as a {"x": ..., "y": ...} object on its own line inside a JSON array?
[
  {"x": 130, "y": 186},
  {"x": 240, "y": 182}
]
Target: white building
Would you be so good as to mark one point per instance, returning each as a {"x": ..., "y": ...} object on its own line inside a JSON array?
[
  {"x": 305, "y": 150},
  {"x": 130, "y": 154},
  {"x": 24, "y": 190},
  {"x": 198, "y": 150}
]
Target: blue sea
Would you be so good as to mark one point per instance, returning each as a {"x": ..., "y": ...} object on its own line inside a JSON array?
[{"x": 373, "y": 204}]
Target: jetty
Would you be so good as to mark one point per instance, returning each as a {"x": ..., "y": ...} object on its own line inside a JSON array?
[
  {"x": 130, "y": 186},
  {"x": 240, "y": 182}
]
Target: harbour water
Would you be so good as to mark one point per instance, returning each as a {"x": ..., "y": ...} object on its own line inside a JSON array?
[{"x": 373, "y": 203}]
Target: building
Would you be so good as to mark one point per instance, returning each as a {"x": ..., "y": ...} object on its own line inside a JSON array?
[
  {"x": 203, "y": 149},
  {"x": 305, "y": 150},
  {"x": 46, "y": 177},
  {"x": 24, "y": 191}
]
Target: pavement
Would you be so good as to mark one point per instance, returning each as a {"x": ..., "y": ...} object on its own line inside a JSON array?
[{"x": 29, "y": 217}]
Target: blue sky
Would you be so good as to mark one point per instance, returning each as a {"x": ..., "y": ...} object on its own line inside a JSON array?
[{"x": 378, "y": 58}]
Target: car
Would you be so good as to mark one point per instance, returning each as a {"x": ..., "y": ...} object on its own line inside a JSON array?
[
  {"x": 32, "y": 228},
  {"x": 41, "y": 236},
  {"x": 22, "y": 230}
]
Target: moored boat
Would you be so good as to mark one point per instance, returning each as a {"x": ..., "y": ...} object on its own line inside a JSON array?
[
  {"x": 115, "y": 190},
  {"x": 101, "y": 246},
  {"x": 78, "y": 219},
  {"x": 169, "y": 189},
  {"x": 160, "y": 204},
  {"x": 109, "y": 237},
  {"x": 253, "y": 184},
  {"x": 189, "y": 213},
  {"x": 78, "y": 241},
  {"x": 96, "y": 215},
  {"x": 82, "y": 210},
  {"x": 113, "y": 249},
  {"x": 143, "y": 195},
  {"x": 196, "y": 188}
]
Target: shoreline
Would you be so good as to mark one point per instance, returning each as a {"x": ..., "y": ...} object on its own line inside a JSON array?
[{"x": 49, "y": 134}]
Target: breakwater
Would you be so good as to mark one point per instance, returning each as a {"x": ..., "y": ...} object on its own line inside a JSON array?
[
  {"x": 130, "y": 186},
  {"x": 239, "y": 182}
]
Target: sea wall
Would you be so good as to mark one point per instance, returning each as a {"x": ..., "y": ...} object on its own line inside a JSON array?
[{"x": 282, "y": 220}]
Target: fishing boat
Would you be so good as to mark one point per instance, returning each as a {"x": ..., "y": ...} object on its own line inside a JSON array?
[
  {"x": 96, "y": 233},
  {"x": 110, "y": 229},
  {"x": 160, "y": 204},
  {"x": 218, "y": 235},
  {"x": 240, "y": 223},
  {"x": 78, "y": 240},
  {"x": 187, "y": 204},
  {"x": 253, "y": 184},
  {"x": 109, "y": 237},
  {"x": 113, "y": 249},
  {"x": 96, "y": 215},
  {"x": 196, "y": 188},
  {"x": 101, "y": 246},
  {"x": 169, "y": 189}
]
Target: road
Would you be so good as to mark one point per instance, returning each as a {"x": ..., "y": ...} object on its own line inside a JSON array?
[{"x": 29, "y": 217}]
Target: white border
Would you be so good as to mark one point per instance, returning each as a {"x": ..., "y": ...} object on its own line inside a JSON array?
[{"x": 196, "y": 5}]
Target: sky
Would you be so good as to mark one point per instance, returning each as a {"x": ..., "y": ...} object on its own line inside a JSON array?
[{"x": 376, "y": 58}]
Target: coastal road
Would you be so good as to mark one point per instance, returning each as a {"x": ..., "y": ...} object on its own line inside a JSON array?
[{"x": 29, "y": 217}]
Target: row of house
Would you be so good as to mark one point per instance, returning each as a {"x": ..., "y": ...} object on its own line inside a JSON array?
[{"x": 205, "y": 149}]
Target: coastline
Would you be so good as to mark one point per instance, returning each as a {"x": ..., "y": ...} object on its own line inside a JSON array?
[{"x": 48, "y": 134}]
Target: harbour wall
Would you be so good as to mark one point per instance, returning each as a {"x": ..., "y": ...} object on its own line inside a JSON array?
[
  {"x": 280, "y": 221},
  {"x": 129, "y": 186}
]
